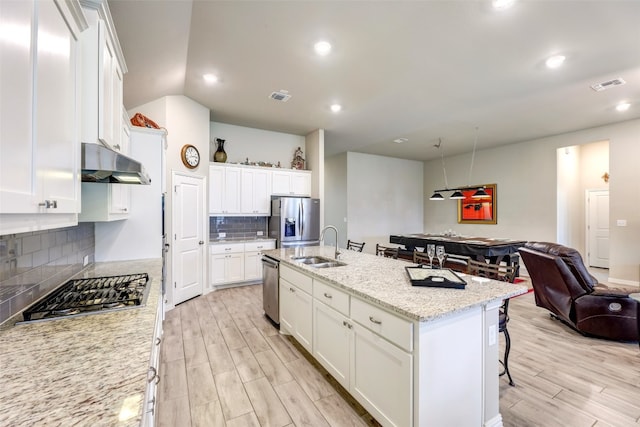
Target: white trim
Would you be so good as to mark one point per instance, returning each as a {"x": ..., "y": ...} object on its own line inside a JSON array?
[
  {"x": 623, "y": 281},
  {"x": 494, "y": 422}
]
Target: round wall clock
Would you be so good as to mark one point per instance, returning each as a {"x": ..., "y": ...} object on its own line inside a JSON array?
[{"x": 190, "y": 156}]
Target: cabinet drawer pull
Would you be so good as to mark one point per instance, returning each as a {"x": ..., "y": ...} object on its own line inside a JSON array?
[
  {"x": 292, "y": 290},
  {"x": 374, "y": 320},
  {"x": 153, "y": 372},
  {"x": 348, "y": 325},
  {"x": 48, "y": 204},
  {"x": 158, "y": 341},
  {"x": 329, "y": 296}
]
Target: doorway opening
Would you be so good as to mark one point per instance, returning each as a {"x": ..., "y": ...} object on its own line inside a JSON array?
[{"x": 581, "y": 170}]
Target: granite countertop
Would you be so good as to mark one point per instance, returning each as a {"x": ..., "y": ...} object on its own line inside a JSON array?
[
  {"x": 216, "y": 240},
  {"x": 384, "y": 281},
  {"x": 86, "y": 370}
]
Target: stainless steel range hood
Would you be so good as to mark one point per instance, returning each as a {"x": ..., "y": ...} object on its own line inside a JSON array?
[{"x": 102, "y": 164}]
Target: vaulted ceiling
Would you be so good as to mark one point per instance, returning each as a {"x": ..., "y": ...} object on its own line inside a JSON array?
[{"x": 421, "y": 70}]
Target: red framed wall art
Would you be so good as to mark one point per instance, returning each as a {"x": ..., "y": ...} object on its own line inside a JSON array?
[{"x": 478, "y": 211}]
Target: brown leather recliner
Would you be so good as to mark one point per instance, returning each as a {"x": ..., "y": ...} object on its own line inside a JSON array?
[{"x": 562, "y": 285}]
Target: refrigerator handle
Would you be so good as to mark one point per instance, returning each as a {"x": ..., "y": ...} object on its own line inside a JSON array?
[{"x": 301, "y": 217}]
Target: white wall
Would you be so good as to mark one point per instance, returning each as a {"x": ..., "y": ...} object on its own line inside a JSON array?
[
  {"x": 335, "y": 201},
  {"x": 256, "y": 144},
  {"x": 315, "y": 162},
  {"x": 384, "y": 196},
  {"x": 186, "y": 122},
  {"x": 526, "y": 177}
]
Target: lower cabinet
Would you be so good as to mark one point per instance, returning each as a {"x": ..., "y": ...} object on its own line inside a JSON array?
[
  {"x": 296, "y": 313},
  {"x": 227, "y": 268},
  {"x": 381, "y": 378},
  {"x": 253, "y": 259},
  {"x": 237, "y": 262},
  {"x": 367, "y": 349},
  {"x": 149, "y": 405},
  {"x": 332, "y": 341}
]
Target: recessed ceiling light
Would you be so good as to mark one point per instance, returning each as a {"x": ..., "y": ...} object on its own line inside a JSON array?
[
  {"x": 555, "y": 61},
  {"x": 336, "y": 108},
  {"x": 502, "y": 4},
  {"x": 623, "y": 106},
  {"x": 400, "y": 140},
  {"x": 322, "y": 47},
  {"x": 210, "y": 78}
]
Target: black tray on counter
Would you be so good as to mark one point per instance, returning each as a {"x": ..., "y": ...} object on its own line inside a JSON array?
[{"x": 436, "y": 278}]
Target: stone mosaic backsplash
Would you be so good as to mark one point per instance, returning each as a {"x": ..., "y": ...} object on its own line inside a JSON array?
[
  {"x": 237, "y": 227},
  {"x": 33, "y": 264}
]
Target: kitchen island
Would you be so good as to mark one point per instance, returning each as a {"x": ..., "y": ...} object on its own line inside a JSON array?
[
  {"x": 412, "y": 356},
  {"x": 87, "y": 370}
]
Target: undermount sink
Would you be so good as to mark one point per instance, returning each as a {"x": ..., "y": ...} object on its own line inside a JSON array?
[{"x": 318, "y": 261}]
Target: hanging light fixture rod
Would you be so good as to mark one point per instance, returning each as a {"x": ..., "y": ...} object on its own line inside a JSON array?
[{"x": 480, "y": 192}]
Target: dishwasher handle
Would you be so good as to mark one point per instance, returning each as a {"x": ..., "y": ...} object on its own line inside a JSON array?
[{"x": 270, "y": 262}]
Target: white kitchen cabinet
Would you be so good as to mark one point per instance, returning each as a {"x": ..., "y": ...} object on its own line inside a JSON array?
[
  {"x": 382, "y": 339},
  {"x": 224, "y": 189},
  {"x": 227, "y": 263},
  {"x": 296, "y": 308},
  {"x": 352, "y": 339},
  {"x": 291, "y": 183},
  {"x": 121, "y": 193},
  {"x": 103, "y": 68},
  {"x": 149, "y": 405},
  {"x": 39, "y": 137},
  {"x": 332, "y": 341},
  {"x": 387, "y": 393},
  {"x": 253, "y": 258},
  {"x": 103, "y": 202},
  {"x": 256, "y": 191}
]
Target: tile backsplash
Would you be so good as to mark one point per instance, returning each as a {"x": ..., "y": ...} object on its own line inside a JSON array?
[
  {"x": 237, "y": 227},
  {"x": 33, "y": 264}
]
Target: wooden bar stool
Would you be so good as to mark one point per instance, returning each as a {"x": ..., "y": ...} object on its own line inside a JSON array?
[
  {"x": 355, "y": 246},
  {"x": 387, "y": 251}
]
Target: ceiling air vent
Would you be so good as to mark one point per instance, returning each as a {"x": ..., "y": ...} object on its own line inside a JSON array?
[
  {"x": 282, "y": 95},
  {"x": 608, "y": 84}
]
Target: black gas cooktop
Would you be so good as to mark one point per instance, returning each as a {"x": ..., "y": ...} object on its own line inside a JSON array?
[{"x": 91, "y": 295}]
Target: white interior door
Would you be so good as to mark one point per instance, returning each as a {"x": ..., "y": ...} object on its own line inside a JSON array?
[
  {"x": 598, "y": 228},
  {"x": 188, "y": 236}
]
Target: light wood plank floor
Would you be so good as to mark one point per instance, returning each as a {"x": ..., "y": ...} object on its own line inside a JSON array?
[{"x": 224, "y": 364}]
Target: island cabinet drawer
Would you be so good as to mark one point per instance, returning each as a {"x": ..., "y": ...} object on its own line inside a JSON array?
[
  {"x": 301, "y": 280},
  {"x": 393, "y": 328},
  {"x": 331, "y": 296},
  {"x": 226, "y": 248}
]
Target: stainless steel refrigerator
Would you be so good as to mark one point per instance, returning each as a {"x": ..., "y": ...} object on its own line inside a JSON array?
[{"x": 295, "y": 221}]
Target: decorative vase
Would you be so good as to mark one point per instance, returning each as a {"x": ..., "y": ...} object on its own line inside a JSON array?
[{"x": 220, "y": 155}]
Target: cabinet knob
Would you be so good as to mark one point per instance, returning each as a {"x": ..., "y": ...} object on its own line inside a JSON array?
[{"x": 201, "y": 242}]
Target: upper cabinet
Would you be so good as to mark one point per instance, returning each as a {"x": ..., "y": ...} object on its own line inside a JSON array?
[
  {"x": 103, "y": 117},
  {"x": 291, "y": 183},
  {"x": 239, "y": 190},
  {"x": 255, "y": 191},
  {"x": 103, "y": 68},
  {"x": 39, "y": 136},
  {"x": 224, "y": 189},
  {"x": 108, "y": 202}
]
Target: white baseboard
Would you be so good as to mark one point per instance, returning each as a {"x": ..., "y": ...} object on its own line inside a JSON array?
[{"x": 624, "y": 282}]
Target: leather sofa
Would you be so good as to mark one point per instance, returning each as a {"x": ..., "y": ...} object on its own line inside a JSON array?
[{"x": 562, "y": 285}]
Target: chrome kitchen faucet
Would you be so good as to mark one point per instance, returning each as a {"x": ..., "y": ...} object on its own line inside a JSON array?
[{"x": 337, "y": 254}]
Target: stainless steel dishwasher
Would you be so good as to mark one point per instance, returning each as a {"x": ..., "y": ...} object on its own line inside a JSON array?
[{"x": 271, "y": 288}]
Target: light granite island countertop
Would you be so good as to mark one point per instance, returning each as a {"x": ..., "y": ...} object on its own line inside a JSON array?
[
  {"x": 411, "y": 355},
  {"x": 87, "y": 370},
  {"x": 384, "y": 281}
]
